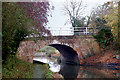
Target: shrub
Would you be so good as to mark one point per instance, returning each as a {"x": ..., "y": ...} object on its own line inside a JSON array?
[
  {"x": 104, "y": 37},
  {"x": 14, "y": 28}
]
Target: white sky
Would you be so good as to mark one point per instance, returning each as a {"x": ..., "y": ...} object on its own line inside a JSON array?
[{"x": 58, "y": 19}]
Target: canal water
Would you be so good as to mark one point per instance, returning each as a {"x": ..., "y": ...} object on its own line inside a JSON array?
[{"x": 52, "y": 69}]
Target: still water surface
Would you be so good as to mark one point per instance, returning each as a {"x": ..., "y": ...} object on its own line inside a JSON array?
[{"x": 72, "y": 71}]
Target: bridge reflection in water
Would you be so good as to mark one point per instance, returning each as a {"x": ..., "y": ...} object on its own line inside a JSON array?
[{"x": 75, "y": 71}]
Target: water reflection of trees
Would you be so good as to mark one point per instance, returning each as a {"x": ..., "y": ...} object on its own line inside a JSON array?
[{"x": 73, "y": 72}]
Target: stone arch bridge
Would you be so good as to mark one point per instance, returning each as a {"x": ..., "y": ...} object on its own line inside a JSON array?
[{"x": 82, "y": 45}]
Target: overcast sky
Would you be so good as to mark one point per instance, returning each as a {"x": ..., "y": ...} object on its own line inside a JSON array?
[{"x": 58, "y": 19}]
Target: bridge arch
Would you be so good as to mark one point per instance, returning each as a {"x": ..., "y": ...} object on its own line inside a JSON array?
[{"x": 68, "y": 54}]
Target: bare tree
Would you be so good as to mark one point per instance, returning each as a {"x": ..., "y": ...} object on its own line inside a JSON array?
[
  {"x": 98, "y": 14},
  {"x": 73, "y": 9}
]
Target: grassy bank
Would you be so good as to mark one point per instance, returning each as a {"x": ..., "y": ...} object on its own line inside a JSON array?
[{"x": 16, "y": 68}]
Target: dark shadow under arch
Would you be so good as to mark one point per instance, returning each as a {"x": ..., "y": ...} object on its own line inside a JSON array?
[{"x": 67, "y": 53}]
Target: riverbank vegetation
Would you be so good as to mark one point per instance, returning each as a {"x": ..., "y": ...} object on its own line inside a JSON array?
[
  {"x": 16, "y": 68},
  {"x": 105, "y": 20},
  {"x": 20, "y": 20},
  {"x": 49, "y": 50}
]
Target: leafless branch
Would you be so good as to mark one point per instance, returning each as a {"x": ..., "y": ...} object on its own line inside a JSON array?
[{"x": 73, "y": 9}]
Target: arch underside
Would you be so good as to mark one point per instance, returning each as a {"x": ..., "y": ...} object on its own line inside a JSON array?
[{"x": 68, "y": 54}]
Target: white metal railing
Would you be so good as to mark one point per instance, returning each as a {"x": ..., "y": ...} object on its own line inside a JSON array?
[
  {"x": 83, "y": 30},
  {"x": 72, "y": 30}
]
